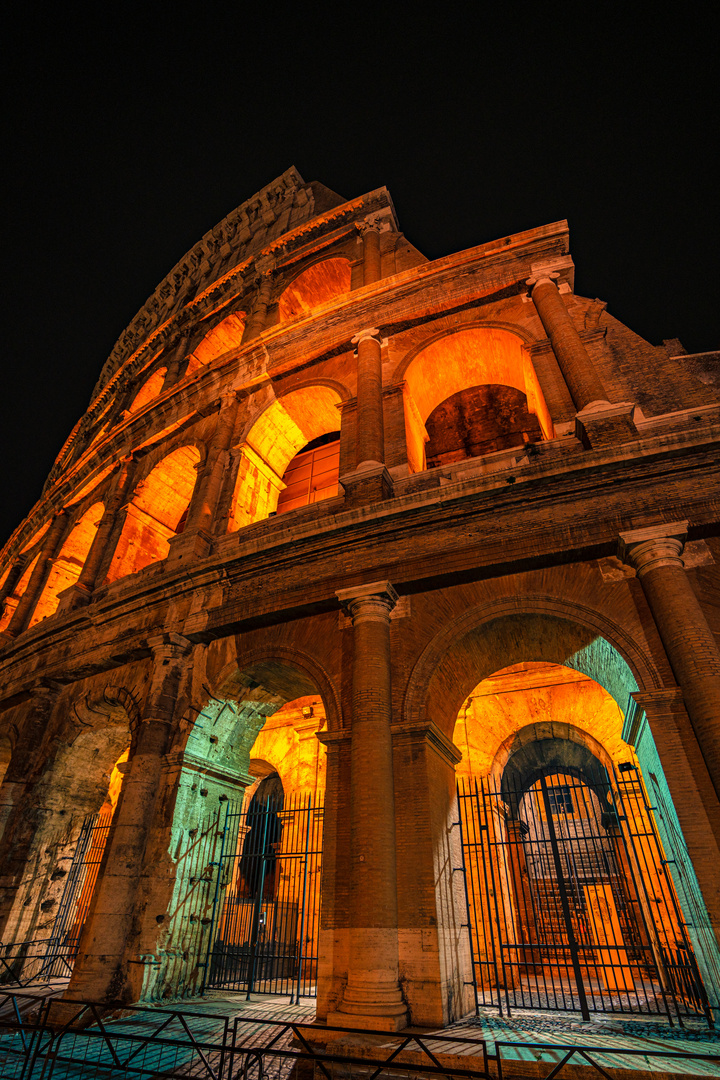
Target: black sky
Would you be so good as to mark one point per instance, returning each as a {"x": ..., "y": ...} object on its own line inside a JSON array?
[{"x": 128, "y": 138}]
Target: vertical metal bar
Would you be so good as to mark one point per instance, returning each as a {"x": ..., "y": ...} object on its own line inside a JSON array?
[
  {"x": 208, "y": 953},
  {"x": 467, "y": 899},
  {"x": 564, "y": 902},
  {"x": 266, "y": 811},
  {"x": 304, "y": 900},
  {"x": 487, "y": 796}
]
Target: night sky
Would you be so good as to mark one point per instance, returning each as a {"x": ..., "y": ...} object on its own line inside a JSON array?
[{"x": 129, "y": 138}]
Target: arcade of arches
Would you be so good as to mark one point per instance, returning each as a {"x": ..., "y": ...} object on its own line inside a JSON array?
[{"x": 359, "y": 571}]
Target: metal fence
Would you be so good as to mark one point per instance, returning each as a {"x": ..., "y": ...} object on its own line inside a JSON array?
[
  {"x": 570, "y": 903},
  {"x": 266, "y": 914},
  {"x": 46, "y": 1039}
]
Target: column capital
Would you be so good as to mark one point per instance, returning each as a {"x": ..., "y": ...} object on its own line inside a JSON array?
[
  {"x": 362, "y": 335},
  {"x": 658, "y": 545},
  {"x": 169, "y": 646},
  {"x": 368, "y": 602}
]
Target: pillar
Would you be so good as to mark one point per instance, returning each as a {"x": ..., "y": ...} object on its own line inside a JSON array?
[
  {"x": 258, "y": 316},
  {"x": 372, "y": 997},
  {"x": 207, "y": 493},
  {"x": 81, "y": 592},
  {"x": 50, "y": 545},
  {"x": 656, "y": 555},
  {"x": 102, "y": 969},
  {"x": 178, "y": 350},
  {"x": 582, "y": 380},
  {"x": 372, "y": 271},
  {"x": 370, "y": 435}
]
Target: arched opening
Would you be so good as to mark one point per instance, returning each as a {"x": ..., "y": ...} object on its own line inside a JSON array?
[
  {"x": 572, "y": 905},
  {"x": 156, "y": 513},
  {"x": 53, "y": 849},
  {"x": 302, "y": 425},
  {"x": 221, "y": 339},
  {"x": 472, "y": 393},
  {"x": 150, "y": 389},
  {"x": 68, "y": 563},
  {"x": 12, "y": 601},
  {"x": 249, "y": 800},
  {"x": 321, "y": 282}
]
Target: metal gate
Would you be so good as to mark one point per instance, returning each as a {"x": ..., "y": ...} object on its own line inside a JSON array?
[
  {"x": 27, "y": 962},
  {"x": 570, "y": 904},
  {"x": 266, "y": 913}
]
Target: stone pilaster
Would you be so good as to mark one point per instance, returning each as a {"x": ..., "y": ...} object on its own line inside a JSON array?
[
  {"x": 207, "y": 493},
  {"x": 103, "y": 969},
  {"x": 656, "y": 555},
  {"x": 372, "y": 997},
  {"x": 372, "y": 270},
  {"x": 258, "y": 316}
]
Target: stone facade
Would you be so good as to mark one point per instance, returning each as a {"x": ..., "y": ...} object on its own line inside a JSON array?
[{"x": 155, "y": 582}]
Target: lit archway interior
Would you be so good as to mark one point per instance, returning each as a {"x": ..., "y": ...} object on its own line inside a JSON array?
[
  {"x": 472, "y": 374},
  {"x": 156, "y": 513},
  {"x": 69, "y": 562},
  {"x": 150, "y": 389},
  {"x": 283, "y": 431},
  {"x": 317, "y": 285},
  {"x": 224, "y": 337}
]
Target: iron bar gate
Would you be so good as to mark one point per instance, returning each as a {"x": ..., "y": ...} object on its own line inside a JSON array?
[
  {"x": 571, "y": 905},
  {"x": 266, "y": 912},
  {"x": 28, "y": 962}
]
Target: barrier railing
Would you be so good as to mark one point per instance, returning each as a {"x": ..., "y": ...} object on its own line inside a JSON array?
[
  {"x": 42, "y": 1038},
  {"x": 24, "y": 963}
]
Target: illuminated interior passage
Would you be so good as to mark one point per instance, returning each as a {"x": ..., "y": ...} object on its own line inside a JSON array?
[
  {"x": 319, "y": 283},
  {"x": 156, "y": 513},
  {"x": 68, "y": 563},
  {"x": 149, "y": 390},
  {"x": 12, "y": 601},
  {"x": 525, "y": 694},
  {"x": 460, "y": 362},
  {"x": 312, "y": 475},
  {"x": 280, "y": 433},
  {"x": 222, "y": 338},
  {"x": 479, "y": 420}
]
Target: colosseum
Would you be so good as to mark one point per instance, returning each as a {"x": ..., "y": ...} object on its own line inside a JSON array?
[{"x": 363, "y": 644}]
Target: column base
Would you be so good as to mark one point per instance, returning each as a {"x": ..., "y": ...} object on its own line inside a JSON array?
[
  {"x": 601, "y": 424},
  {"x": 369, "y": 483},
  {"x": 368, "y": 1022}
]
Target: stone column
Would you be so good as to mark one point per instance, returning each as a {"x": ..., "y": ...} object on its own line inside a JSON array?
[
  {"x": 372, "y": 997},
  {"x": 101, "y": 970},
  {"x": 258, "y": 316},
  {"x": 370, "y": 435},
  {"x": 207, "y": 492},
  {"x": 372, "y": 271},
  {"x": 582, "y": 380},
  {"x": 178, "y": 350},
  {"x": 50, "y": 545},
  {"x": 81, "y": 592},
  {"x": 656, "y": 555}
]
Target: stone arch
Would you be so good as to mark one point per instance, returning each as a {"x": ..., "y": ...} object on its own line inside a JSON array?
[
  {"x": 465, "y": 365},
  {"x": 69, "y": 562},
  {"x": 276, "y": 436},
  {"x": 70, "y": 765},
  {"x": 530, "y": 628},
  {"x": 319, "y": 283},
  {"x": 519, "y": 741},
  {"x": 150, "y": 389},
  {"x": 227, "y": 334},
  {"x": 156, "y": 512},
  {"x": 13, "y": 598}
]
